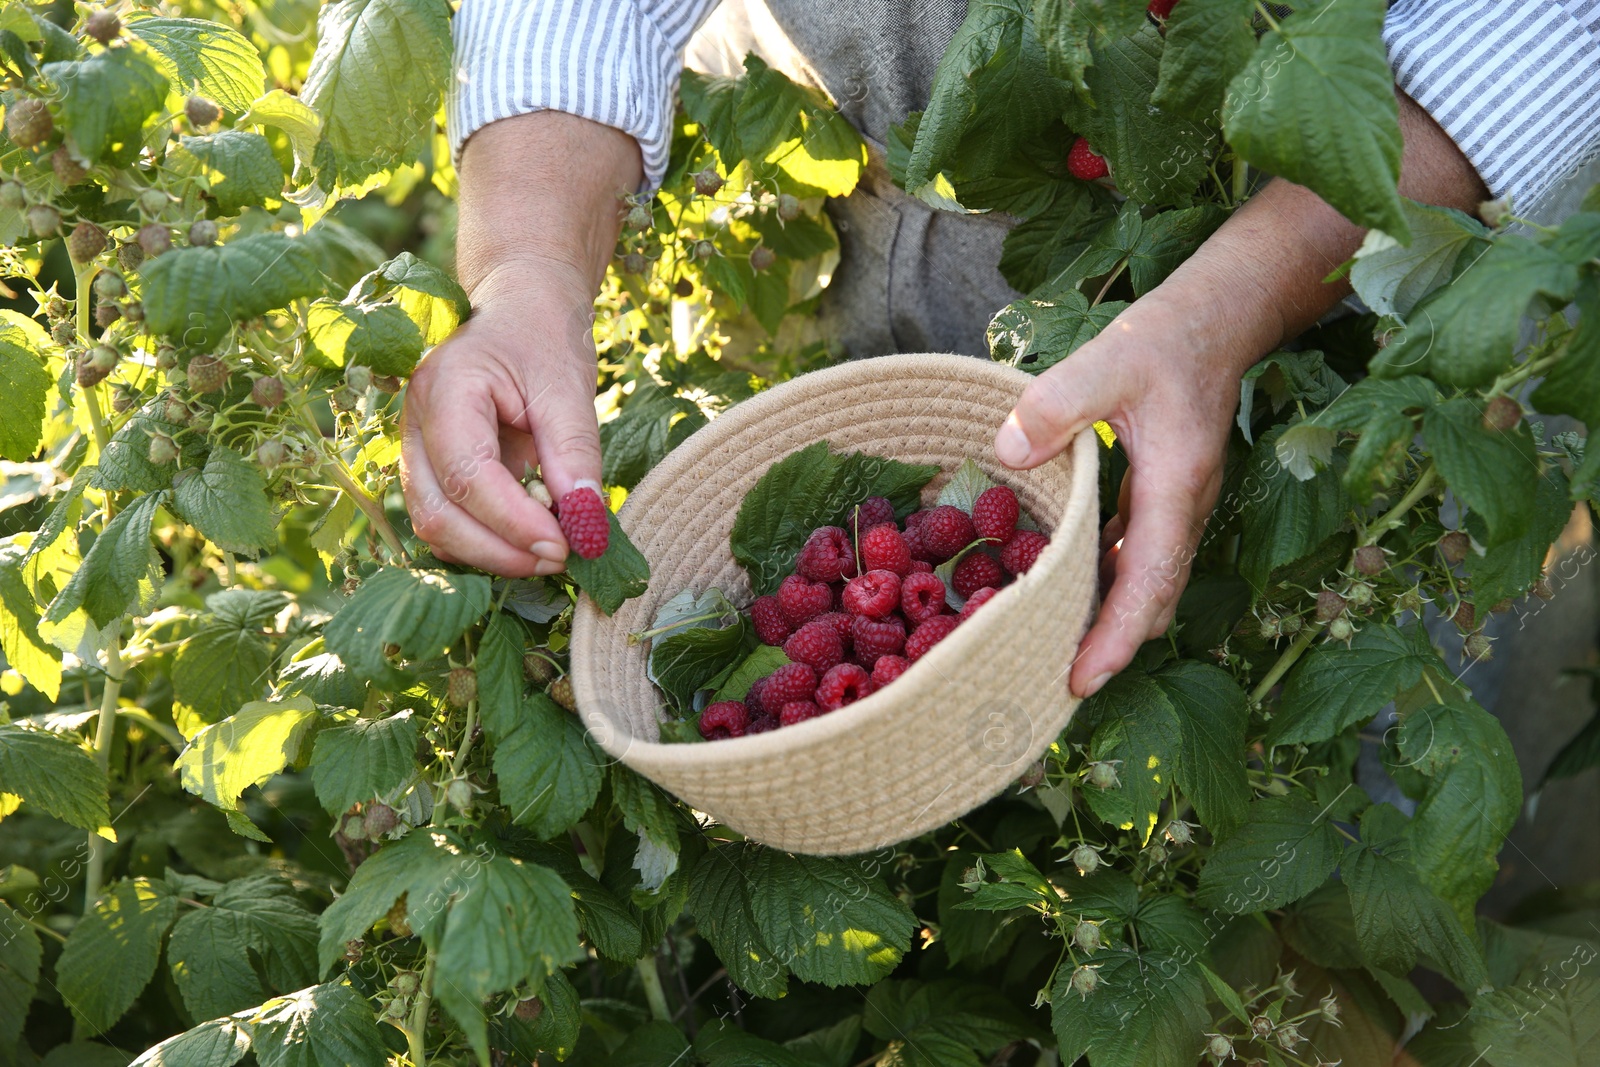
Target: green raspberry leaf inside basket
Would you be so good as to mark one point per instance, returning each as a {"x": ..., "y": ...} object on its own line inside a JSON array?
[
  {"x": 814, "y": 487},
  {"x": 620, "y": 573}
]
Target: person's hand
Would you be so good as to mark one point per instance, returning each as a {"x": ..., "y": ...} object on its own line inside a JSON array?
[{"x": 513, "y": 388}]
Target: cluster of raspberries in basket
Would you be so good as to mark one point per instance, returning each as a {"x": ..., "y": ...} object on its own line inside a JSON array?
[{"x": 854, "y": 617}]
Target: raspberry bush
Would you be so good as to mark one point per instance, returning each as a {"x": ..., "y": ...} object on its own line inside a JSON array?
[{"x": 276, "y": 784}]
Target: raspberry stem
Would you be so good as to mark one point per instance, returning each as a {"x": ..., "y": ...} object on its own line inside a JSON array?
[{"x": 1285, "y": 661}]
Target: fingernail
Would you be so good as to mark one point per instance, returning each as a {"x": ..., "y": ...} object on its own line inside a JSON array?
[
  {"x": 546, "y": 567},
  {"x": 1097, "y": 683},
  {"x": 1011, "y": 444},
  {"x": 549, "y": 550},
  {"x": 587, "y": 483}
]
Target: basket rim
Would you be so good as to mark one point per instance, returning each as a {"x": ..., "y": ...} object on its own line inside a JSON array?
[{"x": 1083, "y": 493}]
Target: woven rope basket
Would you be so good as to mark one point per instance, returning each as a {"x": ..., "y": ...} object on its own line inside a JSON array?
[{"x": 953, "y": 731}]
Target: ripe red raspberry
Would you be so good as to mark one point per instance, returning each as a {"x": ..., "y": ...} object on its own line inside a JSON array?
[
  {"x": 921, "y": 566},
  {"x": 874, "y": 594},
  {"x": 946, "y": 531},
  {"x": 841, "y": 625},
  {"x": 816, "y": 643},
  {"x": 873, "y": 511},
  {"x": 995, "y": 513},
  {"x": 929, "y": 634},
  {"x": 844, "y": 684},
  {"x": 1085, "y": 163},
  {"x": 803, "y": 600},
  {"x": 1019, "y": 553},
  {"x": 585, "y": 521},
  {"x": 975, "y": 601},
  {"x": 752, "y": 698},
  {"x": 725, "y": 718},
  {"x": 916, "y": 544},
  {"x": 797, "y": 711},
  {"x": 884, "y": 548},
  {"x": 827, "y": 556},
  {"x": 921, "y": 597},
  {"x": 771, "y": 625},
  {"x": 875, "y": 638},
  {"x": 887, "y": 669},
  {"x": 760, "y": 724},
  {"x": 975, "y": 572},
  {"x": 1161, "y": 9},
  {"x": 791, "y": 682}
]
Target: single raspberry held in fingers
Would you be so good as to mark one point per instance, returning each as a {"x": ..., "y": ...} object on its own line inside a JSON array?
[
  {"x": 929, "y": 634},
  {"x": 875, "y": 638},
  {"x": 975, "y": 572},
  {"x": 803, "y": 600},
  {"x": 921, "y": 597},
  {"x": 1084, "y": 163},
  {"x": 995, "y": 513},
  {"x": 797, "y": 711},
  {"x": 827, "y": 556},
  {"x": 887, "y": 669},
  {"x": 1161, "y": 9},
  {"x": 726, "y": 718},
  {"x": 585, "y": 521},
  {"x": 873, "y": 511},
  {"x": 844, "y": 684},
  {"x": 1019, "y": 553},
  {"x": 946, "y": 531},
  {"x": 874, "y": 594},
  {"x": 977, "y": 600},
  {"x": 816, "y": 643},
  {"x": 791, "y": 682},
  {"x": 884, "y": 548},
  {"x": 772, "y": 626}
]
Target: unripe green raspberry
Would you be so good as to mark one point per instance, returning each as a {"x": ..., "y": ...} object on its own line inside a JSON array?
[
  {"x": 1410, "y": 600},
  {"x": 132, "y": 310},
  {"x": 129, "y": 255},
  {"x": 1341, "y": 629},
  {"x": 1330, "y": 605},
  {"x": 203, "y": 232},
  {"x": 154, "y": 239},
  {"x": 1219, "y": 1048},
  {"x": 57, "y": 307},
  {"x": 635, "y": 263},
  {"x": 707, "y": 182},
  {"x": 458, "y": 794},
  {"x": 63, "y": 332},
  {"x": 43, "y": 220},
  {"x": 123, "y": 399},
  {"x": 1501, "y": 414},
  {"x": 1086, "y": 936},
  {"x": 405, "y": 983},
  {"x": 344, "y": 398},
  {"x": 28, "y": 122},
  {"x": 536, "y": 669},
  {"x": 271, "y": 454},
  {"x": 1359, "y": 594},
  {"x": 175, "y": 411},
  {"x": 1086, "y": 858},
  {"x": 1084, "y": 980},
  {"x": 761, "y": 258},
  {"x": 1261, "y": 1026},
  {"x": 1271, "y": 627},
  {"x": 704, "y": 249},
  {"x": 561, "y": 692},
  {"x": 1156, "y": 853},
  {"x": 462, "y": 687},
  {"x": 201, "y": 112},
  {"x": 377, "y": 819},
  {"x": 639, "y": 218},
  {"x": 788, "y": 207},
  {"x": 13, "y": 197},
  {"x": 163, "y": 449},
  {"x": 108, "y": 286},
  {"x": 103, "y": 26},
  {"x": 1476, "y": 648},
  {"x": 1291, "y": 625},
  {"x": 207, "y": 374},
  {"x": 267, "y": 392},
  {"x": 1102, "y": 774},
  {"x": 153, "y": 202},
  {"x": 1178, "y": 833},
  {"x": 85, "y": 242},
  {"x": 358, "y": 377},
  {"x": 105, "y": 313},
  {"x": 1369, "y": 560},
  {"x": 1288, "y": 1035},
  {"x": 68, "y": 171},
  {"x": 166, "y": 358}
]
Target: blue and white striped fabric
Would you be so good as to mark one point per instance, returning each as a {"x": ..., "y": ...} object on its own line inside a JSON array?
[{"x": 1516, "y": 85}]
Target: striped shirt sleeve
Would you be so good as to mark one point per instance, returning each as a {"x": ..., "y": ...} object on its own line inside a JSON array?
[
  {"x": 1516, "y": 86},
  {"x": 615, "y": 62}
]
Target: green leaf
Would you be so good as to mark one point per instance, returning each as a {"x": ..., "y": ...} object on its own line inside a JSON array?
[
  {"x": 420, "y": 612},
  {"x": 757, "y": 665},
  {"x": 711, "y": 102},
  {"x": 196, "y": 294},
  {"x": 226, "y": 662},
  {"x": 1147, "y": 1010},
  {"x": 112, "y": 953},
  {"x": 1397, "y": 917},
  {"x": 813, "y": 487},
  {"x": 921, "y": 1019},
  {"x": 322, "y": 677},
  {"x": 237, "y": 168},
  {"x": 211, "y": 949},
  {"x": 1392, "y": 278},
  {"x": 620, "y": 574},
  {"x": 1291, "y": 517},
  {"x": 1494, "y": 473},
  {"x": 654, "y": 1043},
  {"x": 1573, "y": 385},
  {"x": 125, "y": 464},
  {"x": 1208, "y": 43},
  {"x": 227, "y": 501},
  {"x": 323, "y": 1026},
  {"x": 55, "y": 775},
  {"x": 1474, "y": 792},
  {"x": 26, "y": 652},
  {"x": 719, "y": 899},
  {"x": 300, "y": 123},
  {"x": 1382, "y": 411},
  {"x": 1284, "y": 850},
  {"x": 1336, "y": 686},
  {"x": 20, "y": 953},
  {"x": 1510, "y": 568},
  {"x": 722, "y": 1044},
  {"x": 377, "y": 79},
  {"x": 246, "y": 749},
  {"x": 856, "y": 943},
  {"x": 104, "y": 101},
  {"x": 549, "y": 772},
  {"x": 204, "y": 57},
  {"x": 556, "y": 1029},
  {"x": 120, "y": 573},
  {"x": 1035, "y": 335},
  {"x": 435, "y": 302},
  {"x": 1157, "y": 158},
  {"x": 1465, "y": 333},
  {"x": 1039, "y": 249},
  {"x": 992, "y": 94},
  {"x": 218, "y": 1043},
  {"x": 1315, "y": 104},
  {"x": 425, "y": 867},
  {"x": 363, "y": 759},
  {"x": 1167, "y": 923},
  {"x": 1212, "y": 714},
  {"x": 768, "y": 110},
  {"x": 642, "y": 432},
  {"x": 1556, "y": 1024},
  {"x": 24, "y": 382},
  {"x": 964, "y": 487},
  {"x": 380, "y": 336},
  {"x": 1138, "y": 732},
  {"x": 685, "y": 662},
  {"x": 500, "y": 682},
  {"x": 1578, "y": 754},
  {"x": 1069, "y": 27},
  {"x": 1168, "y": 238}
]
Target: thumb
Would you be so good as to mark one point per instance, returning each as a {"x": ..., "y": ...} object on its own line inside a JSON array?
[
  {"x": 567, "y": 439},
  {"x": 1057, "y": 406}
]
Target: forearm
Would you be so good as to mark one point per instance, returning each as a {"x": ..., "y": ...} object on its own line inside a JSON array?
[
  {"x": 542, "y": 192},
  {"x": 1258, "y": 281}
]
